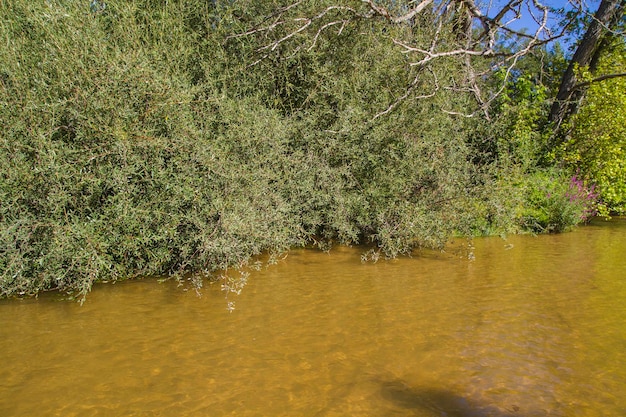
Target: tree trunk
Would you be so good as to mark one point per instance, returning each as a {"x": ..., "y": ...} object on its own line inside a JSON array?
[{"x": 606, "y": 18}]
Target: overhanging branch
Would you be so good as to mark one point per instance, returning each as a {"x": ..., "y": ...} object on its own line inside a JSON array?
[{"x": 598, "y": 79}]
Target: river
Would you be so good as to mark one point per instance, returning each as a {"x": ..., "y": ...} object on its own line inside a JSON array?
[{"x": 523, "y": 326}]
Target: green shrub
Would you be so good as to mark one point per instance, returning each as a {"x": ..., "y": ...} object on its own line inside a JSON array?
[
  {"x": 114, "y": 165},
  {"x": 555, "y": 202},
  {"x": 138, "y": 139}
]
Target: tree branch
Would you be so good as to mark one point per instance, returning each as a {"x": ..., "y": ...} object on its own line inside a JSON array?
[
  {"x": 381, "y": 11},
  {"x": 406, "y": 95},
  {"x": 598, "y": 79}
]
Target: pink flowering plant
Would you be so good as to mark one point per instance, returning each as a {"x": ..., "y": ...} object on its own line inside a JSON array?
[
  {"x": 583, "y": 196},
  {"x": 556, "y": 202}
]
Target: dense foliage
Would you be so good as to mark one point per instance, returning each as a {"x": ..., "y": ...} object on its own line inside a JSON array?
[
  {"x": 597, "y": 143},
  {"x": 149, "y": 138}
]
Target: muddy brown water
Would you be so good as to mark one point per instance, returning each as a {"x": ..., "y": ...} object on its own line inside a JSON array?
[{"x": 531, "y": 326}]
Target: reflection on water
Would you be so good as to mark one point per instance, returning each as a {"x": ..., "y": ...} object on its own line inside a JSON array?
[{"x": 533, "y": 326}]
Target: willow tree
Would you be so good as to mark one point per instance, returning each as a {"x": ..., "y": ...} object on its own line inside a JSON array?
[
  {"x": 483, "y": 41},
  {"x": 486, "y": 39}
]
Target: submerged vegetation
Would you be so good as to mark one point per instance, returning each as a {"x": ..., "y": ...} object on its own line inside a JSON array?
[{"x": 165, "y": 138}]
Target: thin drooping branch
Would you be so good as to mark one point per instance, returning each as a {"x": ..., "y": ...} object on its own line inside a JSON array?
[
  {"x": 263, "y": 27},
  {"x": 343, "y": 24},
  {"x": 305, "y": 23},
  {"x": 407, "y": 94}
]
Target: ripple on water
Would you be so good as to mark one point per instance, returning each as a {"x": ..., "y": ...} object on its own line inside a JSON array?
[{"x": 532, "y": 326}]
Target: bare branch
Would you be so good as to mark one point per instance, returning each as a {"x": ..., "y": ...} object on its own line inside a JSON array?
[
  {"x": 257, "y": 30},
  {"x": 598, "y": 79},
  {"x": 381, "y": 11},
  {"x": 456, "y": 113},
  {"x": 593, "y": 18},
  {"x": 302, "y": 28},
  {"x": 343, "y": 24},
  {"x": 265, "y": 28},
  {"x": 305, "y": 23},
  {"x": 407, "y": 93},
  {"x": 414, "y": 12}
]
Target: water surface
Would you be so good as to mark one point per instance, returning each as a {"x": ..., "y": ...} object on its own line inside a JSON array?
[{"x": 527, "y": 326}]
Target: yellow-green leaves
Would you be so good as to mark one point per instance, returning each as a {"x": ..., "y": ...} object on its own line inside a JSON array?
[{"x": 598, "y": 141}]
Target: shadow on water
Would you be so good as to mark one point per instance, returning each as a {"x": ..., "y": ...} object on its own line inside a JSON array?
[{"x": 440, "y": 402}]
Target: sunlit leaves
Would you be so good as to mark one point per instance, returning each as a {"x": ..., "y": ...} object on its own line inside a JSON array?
[{"x": 598, "y": 141}]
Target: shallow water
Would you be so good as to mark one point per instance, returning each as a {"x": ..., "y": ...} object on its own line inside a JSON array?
[{"x": 529, "y": 326}]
